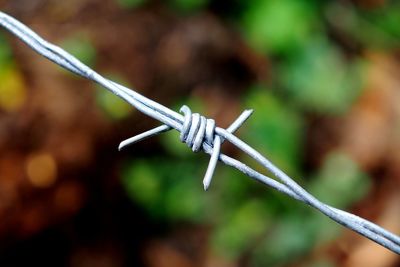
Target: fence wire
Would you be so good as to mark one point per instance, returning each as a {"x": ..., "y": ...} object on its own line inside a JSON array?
[{"x": 200, "y": 133}]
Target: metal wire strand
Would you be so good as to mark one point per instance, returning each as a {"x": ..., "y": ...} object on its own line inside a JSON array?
[{"x": 200, "y": 133}]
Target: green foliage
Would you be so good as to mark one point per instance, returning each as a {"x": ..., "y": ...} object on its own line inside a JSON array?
[
  {"x": 114, "y": 107},
  {"x": 276, "y": 129},
  {"x": 5, "y": 52},
  {"x": 13, "y": 93},
  {"x": 278, "y": 25},
  {"x": 340, "y": 176},
  {"x": 81, "y": 47},
  {"x": 130, "y": 3},
  {"x": 379, "y": 27},
  {"x": 241, "y": 229},
  {"x": 142, "y": 183},
  {"x": 292, "y": 235},
  {"x": 12, "y": 88},
  {"x": 188, "y": 6},
  {"x": 166, "y": 189},
  {"x": 173, "y": 145},
  {"x": 185, "y": 199},
  {"x": 244, "y": 214},
  {"x": 319, "y": 79}
]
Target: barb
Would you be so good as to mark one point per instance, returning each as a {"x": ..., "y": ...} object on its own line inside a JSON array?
[{"x": 200, "y": 133}]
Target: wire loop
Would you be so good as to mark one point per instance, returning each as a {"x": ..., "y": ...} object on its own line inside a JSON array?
[
  {"x": 196, "y": 129},
  {"x": 198, "y": 133}
]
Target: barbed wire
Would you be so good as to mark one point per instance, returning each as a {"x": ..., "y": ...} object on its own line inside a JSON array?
[{"x": 200, "y": 133}]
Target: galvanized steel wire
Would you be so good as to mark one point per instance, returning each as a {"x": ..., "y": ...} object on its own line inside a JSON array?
[{"x": 200, "y": 133}]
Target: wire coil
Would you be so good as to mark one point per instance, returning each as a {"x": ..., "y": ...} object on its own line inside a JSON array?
[
  {"x": 198, "y": 133},
  {"x": 196, "y": 129}
]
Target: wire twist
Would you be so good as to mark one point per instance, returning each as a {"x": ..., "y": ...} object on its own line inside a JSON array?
[
  {"x": 200, "y": 133},
  {"x": 195, "y": 128}
]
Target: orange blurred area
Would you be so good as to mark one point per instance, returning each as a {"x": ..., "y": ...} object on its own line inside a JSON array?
[{"x": 321, "y": 76}]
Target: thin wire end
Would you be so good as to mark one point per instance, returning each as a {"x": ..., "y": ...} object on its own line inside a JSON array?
[
  {"x": 206, "y": 186},
  {"x": 207, "y": 180},
  {"x": 143, "y": 136},
  {"x": 122, "y": 145}
]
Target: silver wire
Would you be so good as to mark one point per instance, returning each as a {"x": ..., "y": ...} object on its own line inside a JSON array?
[{"x": 203, "y": 135}]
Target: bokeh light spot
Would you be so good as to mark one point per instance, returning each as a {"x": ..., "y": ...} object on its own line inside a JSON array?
[
  {"x": 41, "y": 170},
  {"x": 12, "y": 90}
]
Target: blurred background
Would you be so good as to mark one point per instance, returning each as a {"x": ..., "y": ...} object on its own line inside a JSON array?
[{"x": 322, "y": 76}]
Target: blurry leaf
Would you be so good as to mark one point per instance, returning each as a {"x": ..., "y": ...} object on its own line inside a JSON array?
[
  {"x": 324, "y": 229},
  {"x": 171, "y": 142},
  {"x": 168, "y": 190},
  {"x": 340, "y": 182},
  {"x": 188, "y": 5},
  {"x": 287, "y": 241},
  {"x": 319, "y": 79},
  {"x": 12, "y": 89},
  {"x": 275, "y": 129},
  {"x": 5, "y": 52},
  {"x": 80, "y": 46},
  {"x": 381, "y": 25},
  {"x": 235, "y": 235},
  {"x": 130, "y": 3},
  {"x": 184, "y": 196},
  {"x": 229, "y": 190},
  {"x": 142, "y": 183},
  {"x": 115, "y": 107},
  {"x": 376, "y": 28},
  {"x": 185, "y": 199},
  {"x": 278, "y": 25},
  {"x": 234, "y": 187}
]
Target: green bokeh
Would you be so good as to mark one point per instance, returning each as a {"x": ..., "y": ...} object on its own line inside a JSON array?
[
  {"x": 340, "y": 176},
  {"x": 241, "y": 229},
  {"x": 114, "y": 107},
  {"x": 80, "y": 46},
  {"x": 278, "y": 26},
  {"x": 313, "y": 73},
  {"x": 175, "y": 190},
  {"x": 5, "y": 52},
  {"x": 276, "y": 129},
  {"x": 188, "y": 6},
  {"x": 130, "y": 3},
  {"x": 319, "y": 79},
  {"x": 142, "y": 183}
]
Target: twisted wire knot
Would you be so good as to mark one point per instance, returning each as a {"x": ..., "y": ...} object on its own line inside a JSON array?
[
  {"x": 196, "y": 129},
  {"x": 198, "y": 132}
]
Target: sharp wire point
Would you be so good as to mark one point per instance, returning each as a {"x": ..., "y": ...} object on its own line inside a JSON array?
[
  {"x": 143, "y": 136},
  {"x": 204, "y": 135},
  {"x": 205, "y": 186},
  {"x": 213, "y": 163},
  {"x": 121, "y": 146}
]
